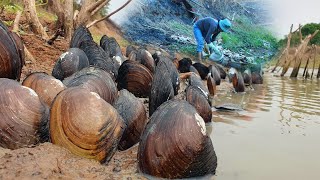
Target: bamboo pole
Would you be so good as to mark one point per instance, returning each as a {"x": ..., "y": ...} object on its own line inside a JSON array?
[{"x": 314, "y": 59}]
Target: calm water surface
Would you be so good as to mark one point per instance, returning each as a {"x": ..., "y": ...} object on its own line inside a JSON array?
[{"x": 276, "y": 136}]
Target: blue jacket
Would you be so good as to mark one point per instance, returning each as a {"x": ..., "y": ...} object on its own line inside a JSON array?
[{"x": 208, "y": 27}]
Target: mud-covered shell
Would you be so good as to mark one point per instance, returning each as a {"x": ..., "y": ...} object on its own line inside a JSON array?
[
  {"x": 80, "y": 34},
  {"x": 175, "y": 145},
  {"x": 134, "y": 115},
  {"x": 196, "y": 98},
  {"x": 196, "y": 81},
  {"x": 247, "y": 77},
  {"x": 96, "y": 80},
  {"x": 184, "y": 65},
  {"x": 23, "y": 117},
  {"x": 112, "y": 47},
  {"x": 221, "y": 70},
  {"x": 47, "y": 87},
  {"x": 215, "y": 74},
  {"x": 146, "y": 59},
  {"x": 165, "y": 84},
  {"x": 11, "y": 57},
  {"x": 202, "y": 69},
  {"x": 134, "y": 77},
  {"x": 256, "y": 78},
  {"x": 211, "y": 84},
  {"x": 85, "y": 124},
  {"x": 70, "y": 62},
  {"x": 99, "y": 58}
]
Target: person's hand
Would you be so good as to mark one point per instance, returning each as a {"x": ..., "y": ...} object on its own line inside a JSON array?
[{"x": 213, "y": 48}]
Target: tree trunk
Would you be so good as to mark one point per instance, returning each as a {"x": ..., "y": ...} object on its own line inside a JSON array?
[
  {"x": 68, "y": 16},
  {"x": 285, "y": 53},
  {"x": 32, "y": 18},
  {"x": 305, "y": 68},
  {"x": 314, "y": 59}
]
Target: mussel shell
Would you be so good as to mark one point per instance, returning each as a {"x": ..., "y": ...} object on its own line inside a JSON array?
[
  {"x": 165, "y": 84},
  {"x": 146, "y": 59},
  {"x": 193, "y": 69},
  {"x": 70, "y": 62},
  {"x": 184, "y": 65},
  {"x": 256, "y": 78},
  {"x": 196, "y": 81},
  {"x": 20, "y": 46},
  {"x": 211, "y": 83},
  {"x": 196, "y": 98},
  {"x": 111, "y": 46},
  {"x": 134, "y": 115},
  {"x": 247, "y": 77},
  {"x": 202, "y": 69},
  {"x": 85, "y": 124},
  {"x": 214, "y": 72},
  {"x": 237, "y": 82},
  {"x": 130, "y": 49},
  {"x": 47, "y": 87},
  {"x": 11, "y": 60},
  {"x": 133, "y": 56},
  {"x": 175, "y": 145},
  {"x": 134, "y": 77},
  {"x": 96, "y": 80},
  {"x": 222, "y": 72},
  {"x": 80, "y": 34},
  {"x": 99, "y": 58},
  {"x": 23, "y": 117}
]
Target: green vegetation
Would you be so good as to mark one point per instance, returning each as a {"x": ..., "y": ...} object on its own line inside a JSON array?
[
  {"x": 305, "y": 31},
  {"x": 248, "y": 36}
]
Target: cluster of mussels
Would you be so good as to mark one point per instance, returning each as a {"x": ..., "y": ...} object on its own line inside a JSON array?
[{"x": 90, "y": 105}]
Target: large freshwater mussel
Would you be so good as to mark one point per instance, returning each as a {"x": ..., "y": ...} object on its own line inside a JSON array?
[
  {"x": 237, "y": 80},
  {"x": 96, "y": 80},
  {"x": 175, "y": 144},
  {"x": 70, "y": 62},
  {"x": 11, "y": 54},
  {"x": 23, "y": 117},
  {"x": 47, "y": 87},
  {"x": 134, "y": 115},
  {"x": 184, "y": 65},
  {"x": 130, "y": 49},
  {"x": 215, "y": 74},
  {"x": 221, "y": 70},
  {"x": 165, "y": 84},
  {"x": 80, "y": 34},
  {"x": 85, "y": 124},
  {"x": 195, "y": 80},
  {"x": 202, "y": 69},
  {"x": 99, "y": 58},
  {"x": 134, "y": 77},
  {"x": 247, "y": 77},
  {"x": 145, "y": 58},
  {"x": 112, "y": 47},
  {"x": 256, "y": 78}
]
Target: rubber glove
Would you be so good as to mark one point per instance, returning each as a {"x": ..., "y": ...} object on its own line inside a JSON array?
[{"x": 213, "y": 48}]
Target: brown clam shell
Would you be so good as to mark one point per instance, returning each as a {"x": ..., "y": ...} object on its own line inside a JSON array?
[
  {"x": 196, "y": 98},
  {"x": 202, "y": 69},
  {"x": 134, "y": 77},
  {"x": 193, "y": 69},
  {"x": 110, "y": 45},
  {"x": 80, "y": 34},
  {"x": 247, "y": 77},
  {"x": 215, "y": 74},
  {"x": 211, "y": 86},
  {"x": 132, "y": 56},
  {"x": 96, "y": 80},
  {"x": 175, "y": 145},
  {"x": 134, "y": 115},
  {"x": 196, "y": 81},
  {"x": 130, "y": 49},
  {"x": 47, "y": 87},
  {"x": 23, "y": 117},
  {"x": 85, "y": 124},
  {"x": 221, "y": 70},
  {"x": 146, "y": 59},
  {"x": 238, "y": 83},
  {"x": 11, "y": 57},
  {"x": 165, "y": 84},
  {"x": 184, "y": 65},
  {"x": 256, "y": 78}
]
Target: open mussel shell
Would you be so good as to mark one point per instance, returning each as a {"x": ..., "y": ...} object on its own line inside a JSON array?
[
  {"x": 196, "y": 81},
  {"x": 70, "y": 62},
  {"x": 165, "y": 84},
  {"x": 11, "y": 57},
  {"x": 134, "y": 115},
  {"x": 184, "y": 65},
  {"x": 221, "y": 70},
  {"x": 111, "y": 46},
  {"x": 256, "y": 78},
  {"x": 175, "y": 145},
  {"x": 215, "y": 74},
  {"x": 80, "y": 34},
  {"x": 99, "y": 58},
  {"x": 85, "y": 124},
  {"x": 196, "y": 98},
  {"x": 135, "y": 77},
  {"x": 247, "y": 77},
  {"x": 237, "y": 80},
  {"x": 23, "y": 117},
  {"x": 47, "y": 87},
  {"x": 202, "y": 69},
  {"x": 211, "y": 83},
  {"x": 146, "y": 59},
  {"x": 96, "y": 80}
]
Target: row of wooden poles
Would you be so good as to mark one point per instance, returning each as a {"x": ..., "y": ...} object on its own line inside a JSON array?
[{"x": 303, "y": 53}]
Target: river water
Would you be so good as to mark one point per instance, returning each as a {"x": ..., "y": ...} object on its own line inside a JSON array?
[{"x": 276, "y": 136}]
